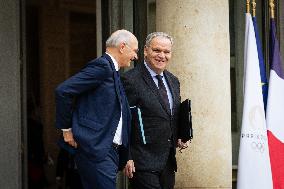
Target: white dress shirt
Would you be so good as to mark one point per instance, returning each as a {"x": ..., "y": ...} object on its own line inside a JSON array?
[{"x": 117, "y": 137}]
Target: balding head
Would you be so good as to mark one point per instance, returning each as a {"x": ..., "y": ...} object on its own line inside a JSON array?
[
  {"x": 118, "y": 37},
  {"x": 123, "y": 46}
]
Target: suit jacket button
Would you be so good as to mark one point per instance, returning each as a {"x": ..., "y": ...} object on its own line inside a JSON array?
[{"x": 169, "y": 140}]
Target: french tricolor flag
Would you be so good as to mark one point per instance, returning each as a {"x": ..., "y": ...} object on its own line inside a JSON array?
[{"x": 275, "y": 112}]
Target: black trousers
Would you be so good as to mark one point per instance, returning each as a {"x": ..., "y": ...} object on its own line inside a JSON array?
[{"x": 164, "y": 179}]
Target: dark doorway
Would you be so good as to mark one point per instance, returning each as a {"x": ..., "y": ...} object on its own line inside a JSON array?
[{"x": 60, "y": 40}]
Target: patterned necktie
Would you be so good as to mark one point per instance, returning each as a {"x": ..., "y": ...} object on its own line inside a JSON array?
[{"x": 163, "y": 92}]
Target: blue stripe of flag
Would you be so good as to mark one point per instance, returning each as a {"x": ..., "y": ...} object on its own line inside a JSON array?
[{"x": 262, "y": 67}]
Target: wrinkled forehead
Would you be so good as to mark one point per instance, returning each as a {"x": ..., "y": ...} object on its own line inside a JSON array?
[{"x": 161, "y": 40}]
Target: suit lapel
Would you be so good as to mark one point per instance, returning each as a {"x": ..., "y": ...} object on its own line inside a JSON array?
[
  {"x": 115, "y": 77},
  {"x": 126, "y": 116},
  {"x": 172, "y": 89},
  {"x": 151, "y": 84}
]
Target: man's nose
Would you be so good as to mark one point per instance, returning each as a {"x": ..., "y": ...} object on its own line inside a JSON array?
[
  {"x": 136, "y": 56},
  {"x": 161, "y": 55}
]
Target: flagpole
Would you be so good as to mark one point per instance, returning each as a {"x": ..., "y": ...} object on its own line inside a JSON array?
[
  {"x": 271, "y": 5},
  {"x": 248, "y": 6},
  {"x": 253, "y": 8}
]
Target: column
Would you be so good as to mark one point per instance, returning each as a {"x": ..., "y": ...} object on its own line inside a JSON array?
[
  {"x": 11, "y": 99},
  {"x": 201, "y": 61}
]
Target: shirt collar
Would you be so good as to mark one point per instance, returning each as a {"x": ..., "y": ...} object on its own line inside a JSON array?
[
  {"x": 152, "y": 72},
  {"x": 114, "y": 62}
]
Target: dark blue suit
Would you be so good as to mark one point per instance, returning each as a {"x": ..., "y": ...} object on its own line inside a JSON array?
[{"x": 91, "y": 103}]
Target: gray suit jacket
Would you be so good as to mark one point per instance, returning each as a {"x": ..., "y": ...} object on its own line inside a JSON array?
[{"x": 160, "y": 127}]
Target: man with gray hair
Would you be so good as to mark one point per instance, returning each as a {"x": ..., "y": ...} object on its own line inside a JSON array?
[
  {"x": 93, "y": 113},
  {"x": 155, "y": 94}
]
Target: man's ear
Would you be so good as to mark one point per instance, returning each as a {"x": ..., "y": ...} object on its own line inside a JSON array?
[
  {"x": 122, "y": 47},
  {"x": 145, "y": 51}
]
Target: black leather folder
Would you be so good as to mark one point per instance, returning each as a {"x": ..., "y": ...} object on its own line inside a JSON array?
[{"x": 185, "y": 131}]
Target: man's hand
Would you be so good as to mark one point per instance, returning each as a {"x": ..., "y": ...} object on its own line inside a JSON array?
[
  {"x": 182, "y": 145},
  {"x": 68, "y": 137},
  {"x": 129, "y": 168}
]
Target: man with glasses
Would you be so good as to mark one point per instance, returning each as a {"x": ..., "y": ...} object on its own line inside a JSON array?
[
  {"x": 155, "y": 93},
  {"x": 93, "y": 113}
]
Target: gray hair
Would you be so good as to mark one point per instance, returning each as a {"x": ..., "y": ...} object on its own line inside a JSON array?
[
  {"x": 151, "y": 36},
  {"x": 118, "y": 37}
]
